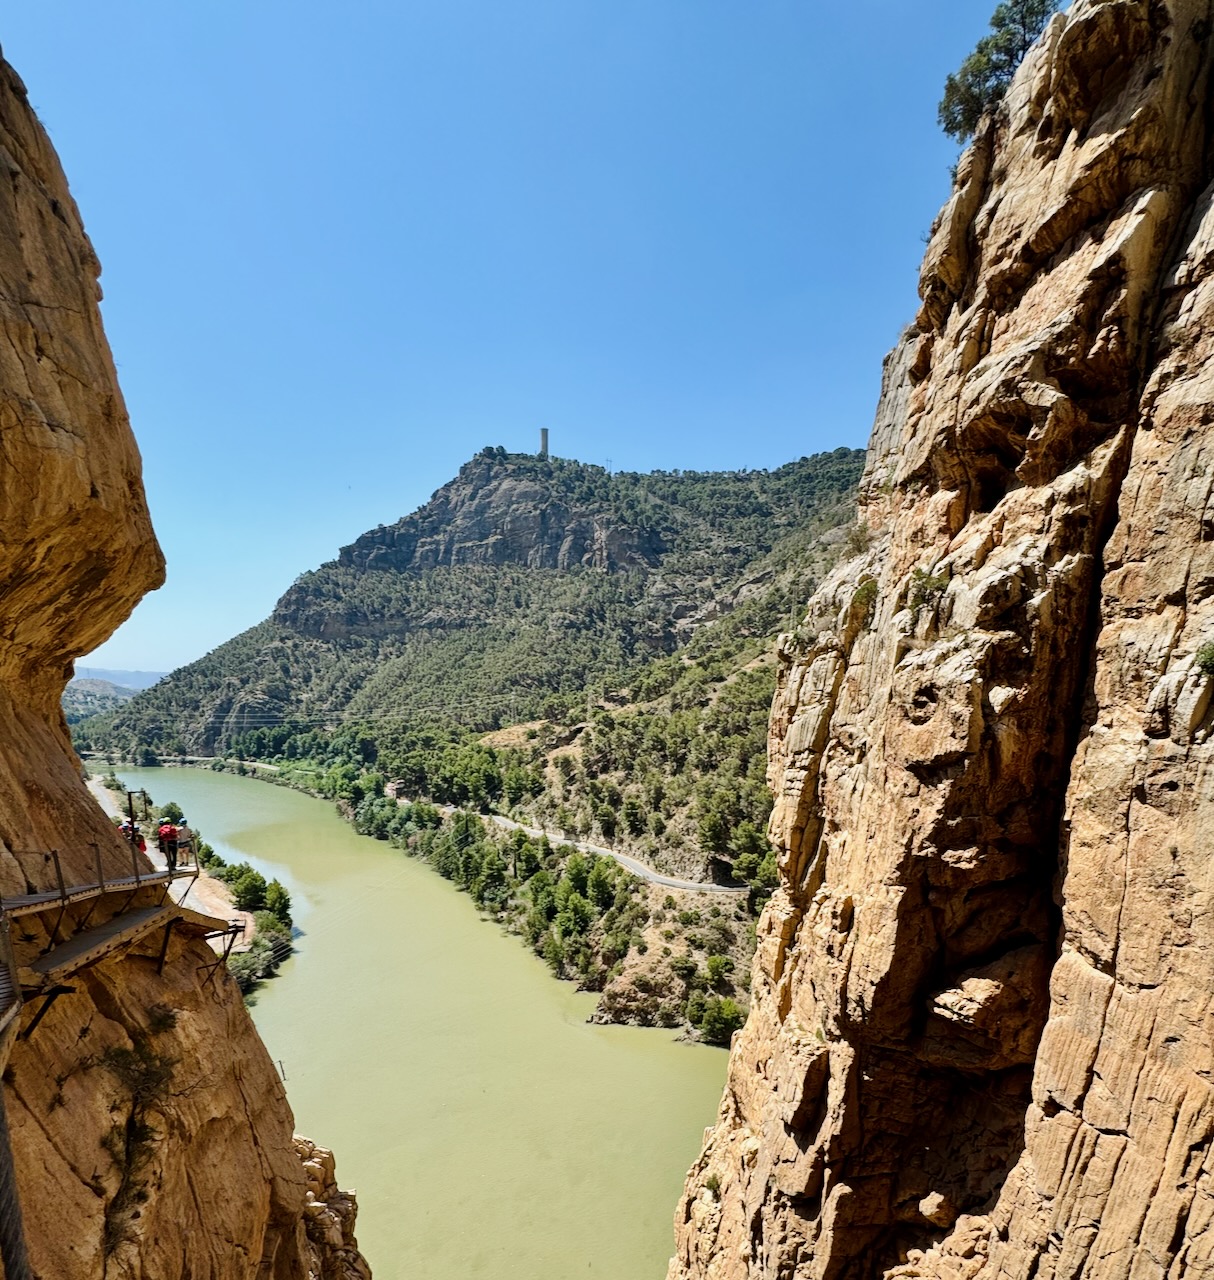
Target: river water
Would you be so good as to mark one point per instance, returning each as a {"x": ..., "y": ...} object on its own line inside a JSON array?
[{"x": 488, "y": 1129}]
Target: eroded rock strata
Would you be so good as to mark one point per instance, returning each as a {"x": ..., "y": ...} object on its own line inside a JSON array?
[
  {"x": 151, "y": 1136},
  {"x": 980, "y": 1042}
]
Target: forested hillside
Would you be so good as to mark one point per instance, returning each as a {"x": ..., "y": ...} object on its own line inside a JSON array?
[{"x": 625, "y": 618}]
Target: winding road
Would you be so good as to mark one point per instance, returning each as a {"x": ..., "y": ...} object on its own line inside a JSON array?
[{"x": 627, "y": 861}]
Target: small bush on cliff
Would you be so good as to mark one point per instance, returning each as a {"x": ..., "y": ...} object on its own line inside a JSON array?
[
  {"x": 1205, "y": 658},
  {"x": 865, "y": 600},
  {"x": 983, "y": 78},
  {"x": 145, "y": 1078},
  {"x": 926, "y": 588}
]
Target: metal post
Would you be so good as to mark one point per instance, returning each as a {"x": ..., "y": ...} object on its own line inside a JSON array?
[
  {"x": 59, "y": 875},
  {"x": 164, "y": 946},
  {"x": 97, "y": 863}
]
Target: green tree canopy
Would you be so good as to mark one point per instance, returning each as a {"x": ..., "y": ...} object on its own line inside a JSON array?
[
  {"x": 721, "y": 1018},
  {"x": 249, "y": 891},
  {"x": 278, "y": 901},
  {"x": 982, "y": 80}
]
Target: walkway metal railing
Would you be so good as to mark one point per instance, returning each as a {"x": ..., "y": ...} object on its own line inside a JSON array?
[{"x": 64, "y": 894}]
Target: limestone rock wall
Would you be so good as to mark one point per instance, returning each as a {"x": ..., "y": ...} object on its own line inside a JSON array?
[
  {"x": 980, "y": 1042},
  {"x": 151, "y": 1136}
]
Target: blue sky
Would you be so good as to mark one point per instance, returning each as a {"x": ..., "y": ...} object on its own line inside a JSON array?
[{"x": 346, "y": 245}]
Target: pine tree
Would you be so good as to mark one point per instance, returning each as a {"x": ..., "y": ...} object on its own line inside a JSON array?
[{"x": 983, "y": 78}]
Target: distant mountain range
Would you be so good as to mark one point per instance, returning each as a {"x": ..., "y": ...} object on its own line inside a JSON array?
[
  {"x": 126, "y": 679},
  {"x": 622, "y": 624}
]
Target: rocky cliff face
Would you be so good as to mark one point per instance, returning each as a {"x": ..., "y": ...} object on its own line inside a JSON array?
[
  {"x": 980, "y": 1043},
  {"x": 151, "y": 1136},
  {"x": 491, "y": 514}
]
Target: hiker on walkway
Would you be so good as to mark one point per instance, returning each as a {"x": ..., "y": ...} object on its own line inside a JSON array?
[
  {"x": 185, "y": 841},
  {"x": 133, "y": 834},
  {"x": 170, "y": 845}
]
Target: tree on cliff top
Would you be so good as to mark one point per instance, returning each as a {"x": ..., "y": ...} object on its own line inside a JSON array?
[{"x": 983, "y": 78}]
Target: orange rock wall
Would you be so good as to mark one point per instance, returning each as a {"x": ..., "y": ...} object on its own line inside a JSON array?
[{"x": 980, "y": 1038}]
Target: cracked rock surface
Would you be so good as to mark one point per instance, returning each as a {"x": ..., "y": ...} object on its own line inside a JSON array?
[
  {"x": 151, "y": 1136},
  {"x": 980, "y": 1037}
]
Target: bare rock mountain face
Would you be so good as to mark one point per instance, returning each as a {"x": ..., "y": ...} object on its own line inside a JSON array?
[
  {"x": 151, "y": 1137},
  {"x": 493, "y": 516},
  {"x": 980, "y": 1039}
]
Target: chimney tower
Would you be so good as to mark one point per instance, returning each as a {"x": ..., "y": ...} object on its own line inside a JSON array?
[{"x": 543, "y": 442}]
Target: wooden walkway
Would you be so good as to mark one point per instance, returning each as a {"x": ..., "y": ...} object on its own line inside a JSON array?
[
  {"x": 88, "y": 946},
  {"x": 25, "y": 904},
  {"x": 10, "y": 999},
  {"x": 45, "y": 976}
]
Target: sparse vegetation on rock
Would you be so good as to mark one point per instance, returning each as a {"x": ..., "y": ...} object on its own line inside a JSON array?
[{"x": 978, "y": 86}]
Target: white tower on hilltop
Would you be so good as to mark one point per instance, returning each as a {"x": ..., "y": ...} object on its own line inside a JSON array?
[{"x": 543, "y": 442}]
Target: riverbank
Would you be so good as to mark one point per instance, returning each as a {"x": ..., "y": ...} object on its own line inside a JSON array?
[
  {"x": 630, "y": 861},
  {"x": 655, "y": 950}
]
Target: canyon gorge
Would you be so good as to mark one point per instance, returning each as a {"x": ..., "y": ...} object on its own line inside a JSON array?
[{"x": 979, "y": 1040}]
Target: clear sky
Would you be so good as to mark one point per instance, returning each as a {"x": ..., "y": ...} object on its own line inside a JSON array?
[{"x": 347, "y": 244}]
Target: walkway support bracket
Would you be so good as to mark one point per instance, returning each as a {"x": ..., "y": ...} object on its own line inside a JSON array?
[{"x": 51, "y": 994}]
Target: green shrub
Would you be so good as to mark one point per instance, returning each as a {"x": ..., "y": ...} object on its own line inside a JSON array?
[
  {"x": 859, "y": 538},
  {"x": 1205, "y": 658},
  {"x": 249, "y": 889},
  {"x": 865, "y": 600},
  {"x": 278, "y": 901},
  {"x": 926, "y": 588},
  {"x": 719, "y": 968}
]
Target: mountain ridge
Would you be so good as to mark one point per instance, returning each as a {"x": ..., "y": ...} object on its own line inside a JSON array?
[{"x": 520, "y": 583}]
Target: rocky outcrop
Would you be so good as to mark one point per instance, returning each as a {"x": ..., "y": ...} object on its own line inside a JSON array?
[
  {"x": 496, "y": 512},
  {"x": 979, "y": 1042},
  {"x": 151, "y": 1137},
  {"x": 329, "y": 1215}
]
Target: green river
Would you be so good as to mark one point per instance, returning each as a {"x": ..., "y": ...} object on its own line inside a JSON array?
[{"x": 488, "y": 1129}]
